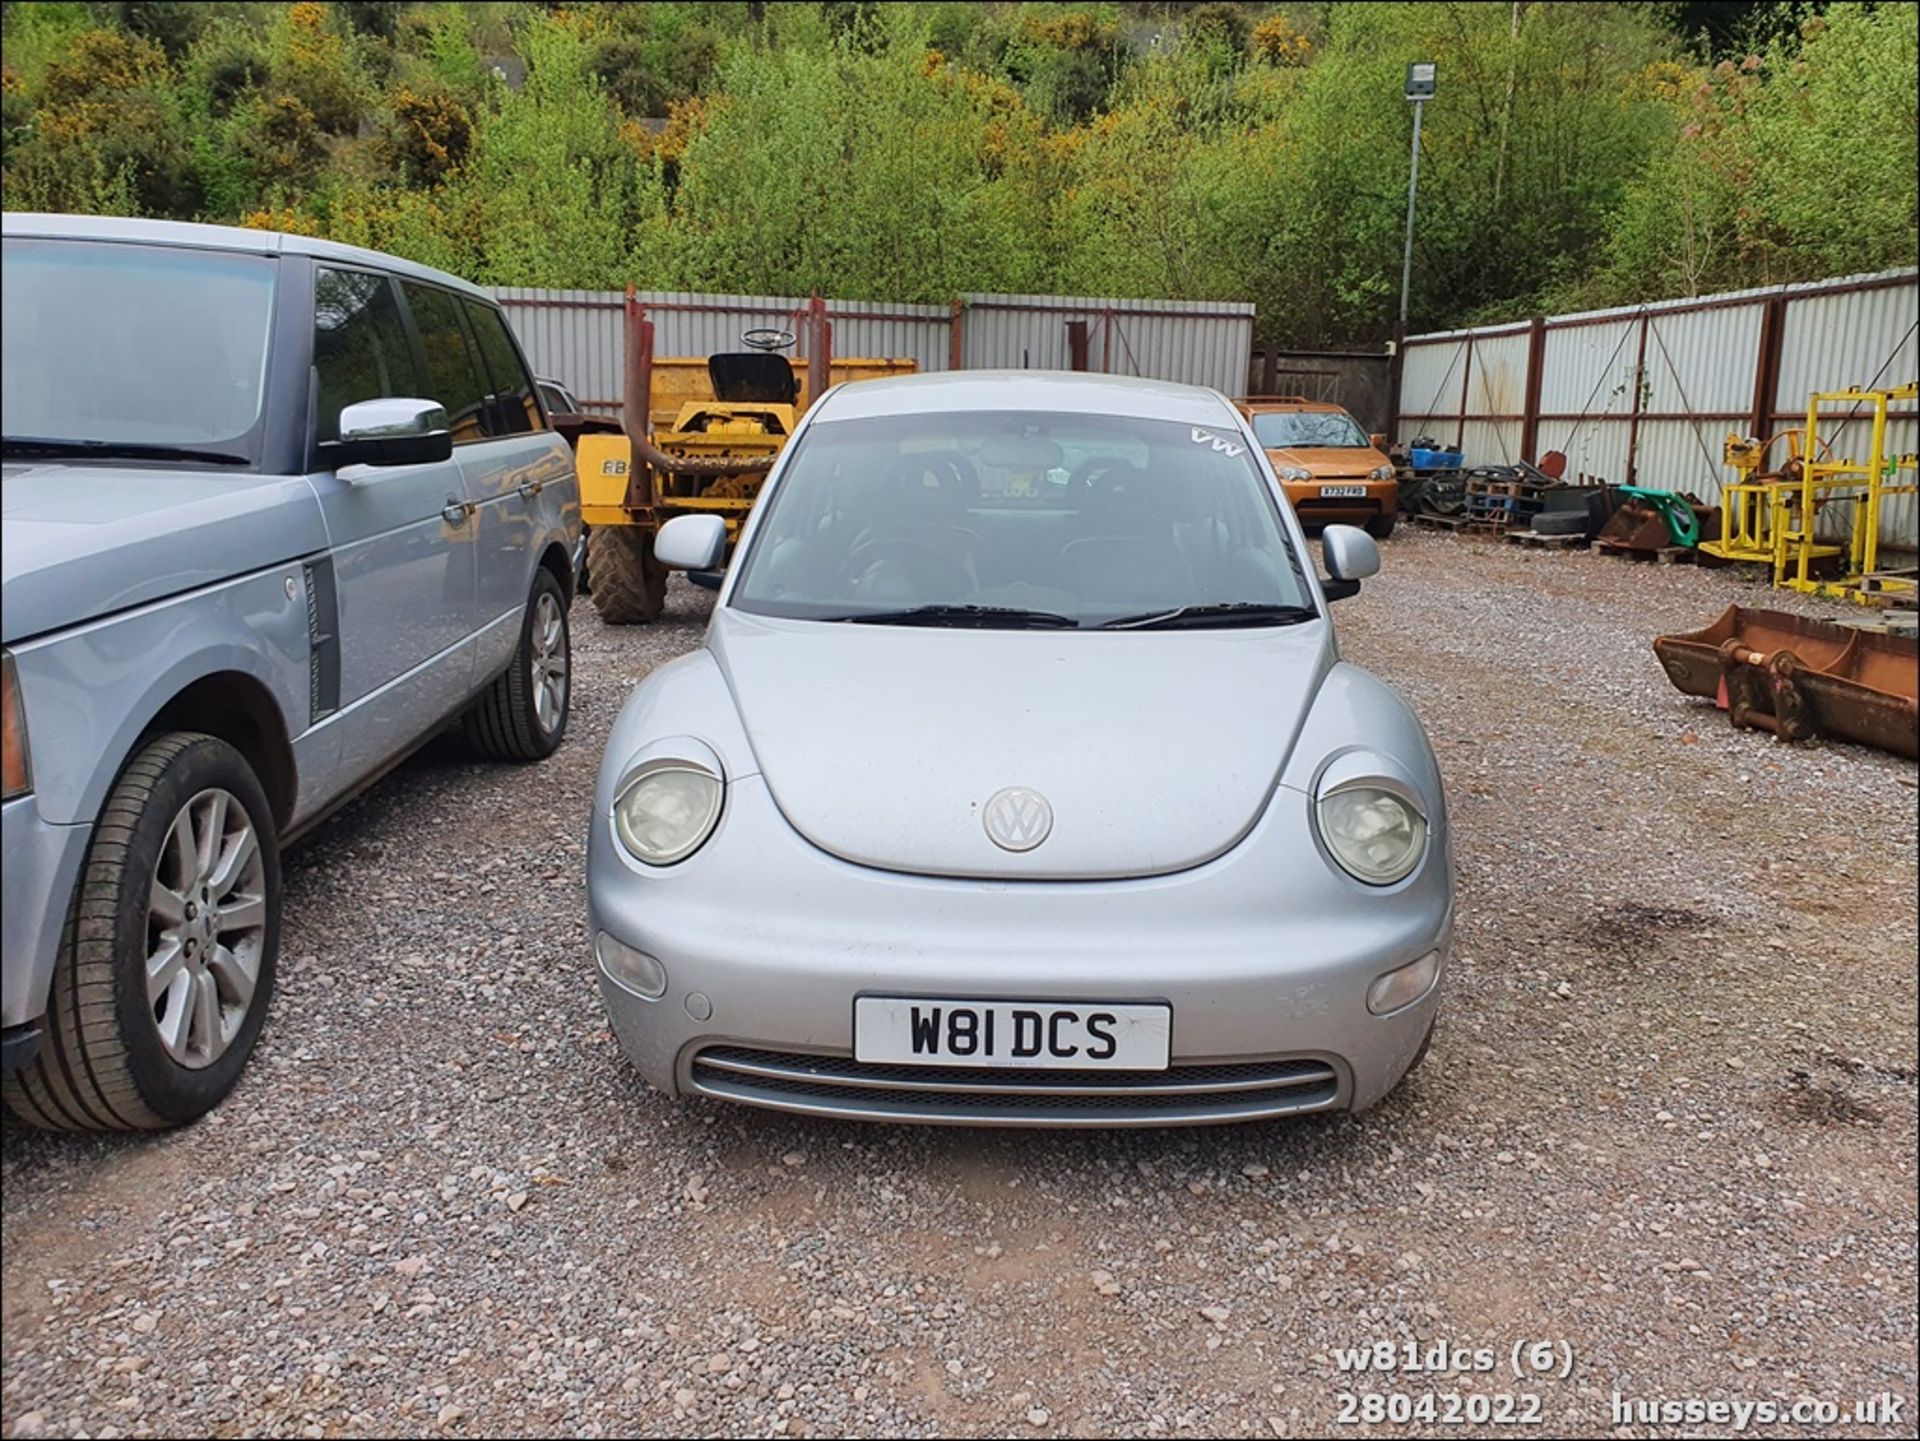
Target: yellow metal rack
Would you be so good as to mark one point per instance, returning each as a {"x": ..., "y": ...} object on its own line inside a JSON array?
[
  {"x": 1746, "y": 506},
  {"x": 1863, "y": 487},
  {"x": 1773, "y": 520}
]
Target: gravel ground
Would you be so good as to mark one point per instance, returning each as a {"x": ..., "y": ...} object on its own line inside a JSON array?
[{"x": 1669, "y": 1120}]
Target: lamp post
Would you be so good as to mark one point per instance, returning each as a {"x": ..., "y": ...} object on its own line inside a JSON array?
[{"x": 1419, "y": 91}]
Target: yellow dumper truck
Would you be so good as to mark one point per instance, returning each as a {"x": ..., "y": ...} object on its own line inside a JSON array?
[{"x": 699, "y": 433}]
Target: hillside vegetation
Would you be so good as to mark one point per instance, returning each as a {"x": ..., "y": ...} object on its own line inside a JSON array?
[{"x": 1577, "y": 154}]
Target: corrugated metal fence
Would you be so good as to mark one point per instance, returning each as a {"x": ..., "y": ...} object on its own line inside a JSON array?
[
  {"x": 575, "y": 336},
  {"x": 1645, "y": 395}
]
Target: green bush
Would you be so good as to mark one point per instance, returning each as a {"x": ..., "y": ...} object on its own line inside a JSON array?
[
  {"x": 105, "y": 133},
  {"x": 620, "y": 63}
]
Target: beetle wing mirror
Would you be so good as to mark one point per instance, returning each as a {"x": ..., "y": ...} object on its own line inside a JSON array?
[
  {"x": 691, "y": 542},
  {"x": 1351, "y": 556}
]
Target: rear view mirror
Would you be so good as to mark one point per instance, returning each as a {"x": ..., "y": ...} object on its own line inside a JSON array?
[
  {"x": 691, "y": 542},
  {"x": 1378, "y": 440},
  {"x": 1022, "y": 453},
  {"x": 389, "y": 431}
]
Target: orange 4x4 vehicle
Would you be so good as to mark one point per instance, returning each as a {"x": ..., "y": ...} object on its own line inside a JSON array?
[{"x": 1332, "y": 470}]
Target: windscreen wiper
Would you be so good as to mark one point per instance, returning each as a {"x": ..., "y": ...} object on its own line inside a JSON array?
[
  {"x": 1224, "y": 613},
  {"x": 114, "y": 450},
  {"x": 987, "y": 617}
]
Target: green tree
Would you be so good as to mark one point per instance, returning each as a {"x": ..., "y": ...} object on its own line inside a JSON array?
[
  {"x": 1792, "y": 164},
  {"x": 867, "y": 171},
  {"x": 104, "y": 133}
]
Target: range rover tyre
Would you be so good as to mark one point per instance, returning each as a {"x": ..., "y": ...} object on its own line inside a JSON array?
[
  {"x": 166, "y": 961},
  {"x": 522, "y": 716},
  {"x": 629, "y": 585},
  {"x": 1381, "y": 526}
]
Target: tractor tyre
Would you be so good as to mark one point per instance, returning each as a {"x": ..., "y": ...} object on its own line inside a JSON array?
[{"x": 629, "y": 585}]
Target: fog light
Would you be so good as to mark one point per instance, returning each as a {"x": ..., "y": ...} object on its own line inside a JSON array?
[
  {"x": 1404, "y": 986},
  {"x": 631, "y": 970}
]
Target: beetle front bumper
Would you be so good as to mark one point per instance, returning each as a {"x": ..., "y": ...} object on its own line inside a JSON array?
[{"x": 1265, "y": 955}]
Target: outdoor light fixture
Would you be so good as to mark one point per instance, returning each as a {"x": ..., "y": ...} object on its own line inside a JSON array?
[{"x": 1420, "y": 84}]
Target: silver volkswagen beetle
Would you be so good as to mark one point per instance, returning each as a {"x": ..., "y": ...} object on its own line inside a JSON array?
[{"x": 1019, "y": 780}]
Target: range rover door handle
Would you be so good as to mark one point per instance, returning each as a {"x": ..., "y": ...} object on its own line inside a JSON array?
[
  {"x": 454, "y": 512},
  {"x": 531, "y": 489}
]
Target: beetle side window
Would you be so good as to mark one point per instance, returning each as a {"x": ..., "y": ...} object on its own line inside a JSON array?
[
  {"x": 454, "y": 376},
  {"x": 515, "y": 406},
  {"x": 360, "y": 349}
]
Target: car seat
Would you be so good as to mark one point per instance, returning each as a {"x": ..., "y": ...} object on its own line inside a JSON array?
[
  {"x": 916, "y": 545},
  {"x": 1127, "y": 554}
]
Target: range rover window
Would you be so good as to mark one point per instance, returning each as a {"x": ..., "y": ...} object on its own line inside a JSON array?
[
  {"x": 120, "y": 350},
  {"x": 360, "y": 348},
  {"x": 454, "y": 375},
  {"x": 516, "y": 407}
]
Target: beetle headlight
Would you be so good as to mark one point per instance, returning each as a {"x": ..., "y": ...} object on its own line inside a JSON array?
[
  {"x": 1294, "y": 473},
  {"x": 1376, "y": 831},
  {"x": 1380, "y": 472},
  {"x": 666, "y": 809}
]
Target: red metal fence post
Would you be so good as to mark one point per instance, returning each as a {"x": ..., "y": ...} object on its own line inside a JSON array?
[
  {"x": 1396, "y": 369},
  {"x": 1766, "y": 370},
  {"x": 1077, "y": 344},
  {"x": 636, "y": 399},
  {"x": 819, "y": 358},
  {"x": 1530, "y": 406},
  {"x": 956, "y": 338},
  {"x": 1466, "y": 372},
  {"x": 1639, "y": 392}
]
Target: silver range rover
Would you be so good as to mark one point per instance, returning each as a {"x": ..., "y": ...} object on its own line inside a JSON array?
[{"x": 276, "y": 511}]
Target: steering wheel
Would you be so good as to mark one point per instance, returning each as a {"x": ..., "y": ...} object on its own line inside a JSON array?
[
  {"x": 767, "y": 337},
  {"x": 902, "y": 550}
]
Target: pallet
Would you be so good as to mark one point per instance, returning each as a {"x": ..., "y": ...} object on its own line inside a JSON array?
[
  {"x": 1513, "y": 489},
  {"x": 1893, "y": 587},
  {"x": 1496, "y": 500},
  {"x": 1887, "y": 620},
  {"x": 1666, "y": 555},
  {"x": 1505, "y": 519},
  {"x": 1435, "y": 522},
  {"x": 1535, "y": 540}
]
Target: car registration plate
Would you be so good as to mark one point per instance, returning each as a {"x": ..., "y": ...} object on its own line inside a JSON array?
[
  {"x": 1342, "y": 492},
  {"x": 1011, "y": 1034}
]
